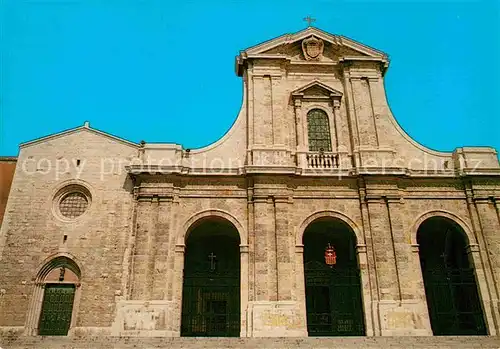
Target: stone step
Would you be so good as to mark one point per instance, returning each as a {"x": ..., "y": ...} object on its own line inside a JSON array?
[{"x": 248, "y": 343}]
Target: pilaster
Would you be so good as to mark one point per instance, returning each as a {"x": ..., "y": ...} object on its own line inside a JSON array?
[
  {"x": 485, "y": 219},
  {"x": 162, "y": 248},
  {"x": 284, "y": 254},
  {"x": 141, "y": 259},
  {"x": 265, "y": 258},
  {"x": 351, "y": 114},
  {"x": 480, "y": 260},
  {"x": 369, "y": 273},
  {"x": 399, "y": 313}
]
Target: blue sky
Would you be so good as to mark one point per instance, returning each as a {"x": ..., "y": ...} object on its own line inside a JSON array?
[{"x": 163, "y": 71}]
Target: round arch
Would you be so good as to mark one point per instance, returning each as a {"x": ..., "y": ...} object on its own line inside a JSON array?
[
  {"x": 445, "y": 214},
  {"x": 448, "y": 267},
  {"x": 188, "y": 224},
  {"x": 325, "y": 214},
  {"x": 328, "y": 309},
  {"x": 209, "y": 262}
]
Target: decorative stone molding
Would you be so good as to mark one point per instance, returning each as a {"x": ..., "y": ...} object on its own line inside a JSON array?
[
  {"x": 316, "y": 91},
  {"x": 440, "y": 213},
  {"x": 275, "y": 319},
  {"x": 404, "y": 318},
  {"x": 145, "y": 318},
  {"x": 312, "y": 48},
  {"x": 472, "y": 248}
]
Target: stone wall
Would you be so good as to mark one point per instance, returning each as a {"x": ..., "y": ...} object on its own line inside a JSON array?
[
  {"x": 143, "y": 200},
  {"x": 271, "y": 214},
  {"x": 34, "y": 232}
]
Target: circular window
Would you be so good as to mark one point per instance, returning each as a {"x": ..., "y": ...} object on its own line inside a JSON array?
[
  {"x": 72, "y": 201},
  {"x": 73, "y": 205}
]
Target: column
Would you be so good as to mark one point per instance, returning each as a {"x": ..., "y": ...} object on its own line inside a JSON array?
[
  {"x": 301, "y": 163},
  {"x": 299, "y": 289},
  {"x": 244, "y": 293},
  {"x": 177, "y": 284},
  {"x": 336, "y": 122}
]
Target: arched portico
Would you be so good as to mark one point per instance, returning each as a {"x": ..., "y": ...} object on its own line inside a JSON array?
[
  {"x": 313, "y": 236},
  {"x": 223, "y": 234},
  {"x": 447, "y": 264}
]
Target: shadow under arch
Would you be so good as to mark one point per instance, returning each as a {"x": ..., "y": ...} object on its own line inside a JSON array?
[
  {"x": 192, "y": 222},
  {"x": 327, "y": 214},
  {"x": 467, "y": 230},
  {"x": 333, "y": 292},
  {"x": 56, "y": 294},
  {"x": 212, "y": 274},
  {"x": 447, "y": 266}
]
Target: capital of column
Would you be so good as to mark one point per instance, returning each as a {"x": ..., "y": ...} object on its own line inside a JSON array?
[
  {"x": 484, "y": 200},
  {"x": 361, "y": 248},
  {"x": 283, "y": 199},
  {"x": 260, "y": 199},
  {"x": 472, "y": 248},
  {"x": 243, "y": 248},
  {"x": 298, "y": 103},
  {"x": 336, "y": 103}
]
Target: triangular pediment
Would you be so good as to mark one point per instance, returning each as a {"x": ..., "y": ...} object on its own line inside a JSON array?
[
  {"x": 84, "y": 128},
  {"x": 350, "y": 46},
  {"x": 334, "y": 49},
  {"x": 316, "y": 89}
]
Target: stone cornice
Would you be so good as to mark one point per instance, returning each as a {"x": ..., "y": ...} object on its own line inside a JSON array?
[
  {"x": 259, "y": 51},
  {"x": 492, "y": 175}
]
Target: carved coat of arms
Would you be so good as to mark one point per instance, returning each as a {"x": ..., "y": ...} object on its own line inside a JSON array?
[{"x": 312, "y": 48}]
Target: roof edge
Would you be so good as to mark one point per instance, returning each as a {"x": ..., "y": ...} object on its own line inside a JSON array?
[{"x": 85, "y": 127}]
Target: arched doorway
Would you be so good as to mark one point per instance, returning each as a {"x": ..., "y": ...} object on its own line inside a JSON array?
[
  {"x": 333, "y": 292},
  {"x": 59, "y": 279},
  {"x": 211, "y": 287},
  {"x": 449, "y": 280}
]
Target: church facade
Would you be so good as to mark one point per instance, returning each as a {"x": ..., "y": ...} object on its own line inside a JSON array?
[{"x": 314, "y": 215}]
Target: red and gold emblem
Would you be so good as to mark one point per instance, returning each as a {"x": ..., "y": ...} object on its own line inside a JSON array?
[{"x": 330, "y": 256}]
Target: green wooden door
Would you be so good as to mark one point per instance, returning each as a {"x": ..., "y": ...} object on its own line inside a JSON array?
[{"x": 57, "y": 309}]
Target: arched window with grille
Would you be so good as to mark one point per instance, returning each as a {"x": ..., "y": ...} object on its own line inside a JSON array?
[{"x": 318, "y": 131}]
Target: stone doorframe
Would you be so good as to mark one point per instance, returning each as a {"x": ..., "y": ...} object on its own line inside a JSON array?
[
  {"x": 35, "y": 305},
  {"x": 362, "y": 263},
  {"x": 474, "y": 254},
  {"x": 180, "y": 249}
]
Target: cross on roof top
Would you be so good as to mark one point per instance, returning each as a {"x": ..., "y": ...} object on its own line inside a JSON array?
[{"x": 309, "y": 20}]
